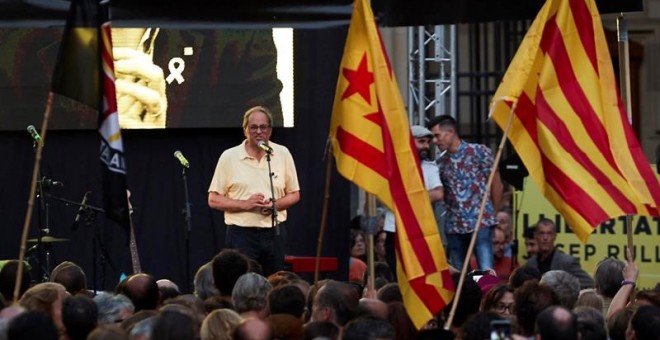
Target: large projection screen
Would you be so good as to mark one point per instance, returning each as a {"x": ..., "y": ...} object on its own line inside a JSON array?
[{"x": 165, "y": 78}]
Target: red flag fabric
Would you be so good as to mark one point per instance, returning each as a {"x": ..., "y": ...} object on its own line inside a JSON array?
[
  {"x": 373, "y": 148},
  {"x": 569, "y": 126},
  {"x": 85, "y": 72}
]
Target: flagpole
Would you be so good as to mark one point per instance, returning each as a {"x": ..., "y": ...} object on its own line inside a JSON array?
[
  {"x": 371, "y": 213},
  {"x": 324, "y": 212},
  {"x": 624, "y": 84},
  {"x": 33, "y": 189},
  {"x": 473, "y": 239}
]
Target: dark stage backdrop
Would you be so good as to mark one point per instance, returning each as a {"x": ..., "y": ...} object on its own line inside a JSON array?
[{"x": 154, "y": 177}]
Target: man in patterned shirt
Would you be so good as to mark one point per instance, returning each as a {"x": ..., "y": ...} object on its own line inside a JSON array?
[{"x": 464, "y": 170}]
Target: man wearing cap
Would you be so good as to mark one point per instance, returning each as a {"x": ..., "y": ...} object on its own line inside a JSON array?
[{"x": 423, "y": 138}]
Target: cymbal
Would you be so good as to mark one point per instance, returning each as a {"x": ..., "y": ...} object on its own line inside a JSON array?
[{"x": 48, "y": 239}]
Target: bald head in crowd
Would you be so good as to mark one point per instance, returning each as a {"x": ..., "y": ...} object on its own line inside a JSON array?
[{"x": 143, "y": 291}]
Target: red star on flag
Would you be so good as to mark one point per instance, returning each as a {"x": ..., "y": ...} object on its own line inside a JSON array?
[{"x": 359, "y": 80}]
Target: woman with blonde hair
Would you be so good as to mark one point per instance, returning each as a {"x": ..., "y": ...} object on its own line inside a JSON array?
[
  {"x": 220, "y": 324},
  {"x": 47, "y": 297}
]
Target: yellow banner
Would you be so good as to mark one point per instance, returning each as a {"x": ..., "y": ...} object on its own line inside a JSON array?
[{"x": 607, "y": 240}]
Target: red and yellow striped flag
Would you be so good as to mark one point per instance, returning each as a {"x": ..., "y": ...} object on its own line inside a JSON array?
[
  {"x": 373, "y": 148},
  {"x": 569, "y": 126}
]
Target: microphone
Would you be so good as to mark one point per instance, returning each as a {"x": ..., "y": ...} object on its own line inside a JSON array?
[
  {"x": 80, "y": 211},
  {"x": 263, "y": 146},
  {"x": 184, "y": 162},
  {"x": 33, "y": 133},
  {"x": 49, "y": 182}
]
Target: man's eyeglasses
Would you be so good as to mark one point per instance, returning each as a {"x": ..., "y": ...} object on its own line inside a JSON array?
[{"x": 255, "y": 128}]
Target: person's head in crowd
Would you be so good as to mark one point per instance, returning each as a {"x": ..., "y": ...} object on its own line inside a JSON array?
[
  {"x": 557, "y": 322},
  {"x": 203, "y": 284},
  {"x": 335, "y": 302},
  {"x": 175, "y": 322},
  {"x": 113, "y": 308},
  {"x": 499, "y": 243},
  {"x": 128, "y": 323},
  {"x": 8, "y": 281},
  {"x": 523, "y": 274},
  {"x": 7, "y": 314},
  {"x": 591, "y": 323},
  {"x": 372, "y": 308},
  {"x": 142, "y": 329},
  {"x": 390, "y": 293},
  {"x": 71, "y": 276},
  {"x": 357, "y": 244},
  {"x": 311, "y": 296},
  {"x": 321, "y": 330},
  {"x": 286, "y": 299},
  {"x": 383, "y": 270},
  {"x": 530, "y": 299},
  {"x": 499, "y": 300},
  {"x": 589, "y": 298},
  {"x": 545, "y": 234},
  {"x": 445, "y": 132},
  {"x": 228, "y": 266},
  {"x": 193, "y": 303},
  {"x": 368, "y": 329},
  {"x": 250, "y": 295},
  {"x": 618, "y": 322},
  {"x": 423, "y": 138},
  {"x": 379, "y": 246},
  {"x": 565, "y": 285},
  {"x": 142, "y": 289},
  {"x": 32, "y": 325},
  {"x": 108, "y": 332},
  {"x": 46, "y": 297},
  {"x": 477, "y": 326},
  {"x": 168, "y": 289},
  {"x": 399, "y": 319},
  {"x": 304, "y": 287},
  {"x": 608, "y": 276},
  {"x": 220, "y": 324},
  {"x": 80, "y": 316},
  {"x": 644, "y": 324},
  {"x": 648, "y": 297},
  {"x": 531, "y": 246},
  {"x": 250, "y": 329},
  {"x": 218, "y": 302},
  {"x": 282, "y": 277},
  {"x": 504, "y": 222},
  {"x": 468, "y": 304}
]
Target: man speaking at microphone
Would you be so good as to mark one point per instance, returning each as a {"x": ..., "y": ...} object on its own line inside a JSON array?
[{"x": 241, "y": 187}]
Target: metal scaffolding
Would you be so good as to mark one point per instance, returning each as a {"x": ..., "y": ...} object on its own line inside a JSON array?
[{"x": 432, "y": 72}]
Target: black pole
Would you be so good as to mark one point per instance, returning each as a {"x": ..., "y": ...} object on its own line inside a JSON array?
[
  {"x": 187, "y": 218},
  {"x": 272, "y": 198}
]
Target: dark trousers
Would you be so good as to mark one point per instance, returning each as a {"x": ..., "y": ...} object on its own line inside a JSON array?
[{"x": 263, "y": 245}]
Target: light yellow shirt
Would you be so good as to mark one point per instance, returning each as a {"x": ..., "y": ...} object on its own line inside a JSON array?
[{"x": 239, "y": 175}]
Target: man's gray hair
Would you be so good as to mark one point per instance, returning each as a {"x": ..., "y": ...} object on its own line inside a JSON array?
[
  {"x": 203, "y": 282},
  {"x": 565, "y": 285},
  {"x": 250, "y": 293},
  {"x": 111, "y": 305}
]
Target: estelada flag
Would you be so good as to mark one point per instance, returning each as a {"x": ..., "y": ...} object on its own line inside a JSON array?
[
  {"x": 373, "y": 148},
  {"x": 569, "y": 126},
  {"x": 85, "y": 72}
]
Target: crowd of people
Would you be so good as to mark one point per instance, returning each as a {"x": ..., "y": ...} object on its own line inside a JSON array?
[{"x": 244, "y": 293}]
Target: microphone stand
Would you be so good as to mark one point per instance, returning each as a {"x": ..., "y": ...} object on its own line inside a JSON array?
[
  {"x": 88, "y": 214},
  {"x": 273, "y": 214},
  {"x": 44, "y": 229},
  {"x": 187, "y": 218}
]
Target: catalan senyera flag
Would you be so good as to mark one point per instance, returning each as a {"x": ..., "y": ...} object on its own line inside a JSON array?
[
  {"x": 373, "y": 148},
  {"x": 85, "y": 72},
  {"x": 569, "y": 125}
]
